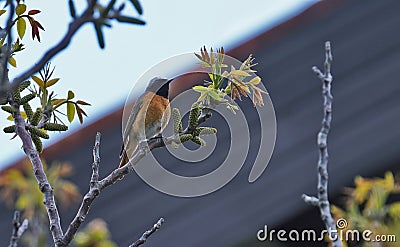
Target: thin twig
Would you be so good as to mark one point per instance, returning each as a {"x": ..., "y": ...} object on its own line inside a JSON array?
[
  {"x": 94, "y": 191},
  {"x": 97, "y": 186},
  {"x": 73, "y": 27},
  {"x": 322, "y": 200},
  {"x": 147, "y": 233},
  {"x": 18, "y": 229},
  {"x": 7, "y": 52}
]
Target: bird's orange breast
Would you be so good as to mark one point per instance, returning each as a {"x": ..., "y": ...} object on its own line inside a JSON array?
[{"x": 157, "y": 110}]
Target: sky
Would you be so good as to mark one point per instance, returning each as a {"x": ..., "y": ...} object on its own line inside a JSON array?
[{"x": 105, "y": 77}]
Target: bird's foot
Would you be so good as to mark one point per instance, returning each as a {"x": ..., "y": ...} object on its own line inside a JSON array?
[{"x": 143, "y": 147}]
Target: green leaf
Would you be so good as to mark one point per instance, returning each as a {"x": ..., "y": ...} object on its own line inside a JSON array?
[
  {"x": 72, "y": 10},
  {"x": 2, "y": 11},
  {"x": 52, "y": 82},
  {"x": 20, "y": 9},
  {"x": 100, "y": 36},
  {"x": 38, "y": 81},
  {"x": 57, "y": 101},
  {"x": 202, "y": 96},
  {"x": 255, "y": 80},
  {"x": 71, "y": 95},
  {"x": 233, "y": 108},
  {"x": 70, "y": 111},
  {"x": 12, "y": 61},
  {"x": 108, "y": 8},
  {"x": 394, "y": 210},
  {"x": 126, "y": 19},
  {"x": 239, "y": 73},
  {"x": 200, "y": 89},
  {"x": 216, "y": 96},
  {"x": 245, "y": 88},
  {"x": 137, "y": 6},
  {"x": 23, "y": 115},
  {"x": 23, "y": 201}
]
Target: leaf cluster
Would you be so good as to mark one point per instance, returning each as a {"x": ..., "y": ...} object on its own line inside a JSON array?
[
  {"x": 46, "y": 116},
  {"x": 95, "y": 234},
  {"x": 18, "y": 188},
  {"x": 193, "y": 132},
  {"x": 108, "y": 12},
  {"x": 20, "y": 22},
  {"x": 368, "y": 206},
  {"x": 241, "y": 81}
]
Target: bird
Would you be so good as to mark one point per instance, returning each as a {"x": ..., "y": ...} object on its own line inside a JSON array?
[{"x": 148, "y": 118}]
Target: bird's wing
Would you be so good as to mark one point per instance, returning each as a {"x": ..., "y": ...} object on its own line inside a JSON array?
[{"x": 131, "y": 120}]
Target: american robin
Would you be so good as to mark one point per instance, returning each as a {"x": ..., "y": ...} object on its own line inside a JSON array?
[{"x": 149, "y": 116}]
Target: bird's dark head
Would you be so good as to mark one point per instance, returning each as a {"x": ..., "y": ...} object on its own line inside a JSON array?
[{"x": 159, "y": 86}]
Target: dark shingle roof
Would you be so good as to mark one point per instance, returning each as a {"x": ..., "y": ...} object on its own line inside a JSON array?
[{"x": 365, "y": 136}]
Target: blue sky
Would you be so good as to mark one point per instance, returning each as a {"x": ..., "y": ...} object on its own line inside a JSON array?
[{"x": 104, "y": 77}]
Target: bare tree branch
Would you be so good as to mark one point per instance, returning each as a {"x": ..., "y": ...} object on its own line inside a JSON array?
[
  {"x": 322, "y": 200},
  {"x": 147, "y": 233},
  {"x": 18, "y": 229},
  {"x": 40, "y": 175},
  {"x": 97, "y": 186},
  {"x": 73, "y": 27},
  {"x": 94, "y": 191},
  {"x": 6, "y": 53}
]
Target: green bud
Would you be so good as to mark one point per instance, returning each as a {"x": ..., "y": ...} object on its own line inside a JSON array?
[
  {"x": 8, "y": 109},
  {"x": 185, "y": 138},
  {"x": 207, "y": 131},
  {"x": 9, "y": 129},
  {"x": 194, "y": 116},
  {"x": 27, "y": 98},
  {"x": 55, "y": 127},
  {"x": 175, "y": 144},
  {"x": 36, "y": 117},
  {"x": 24, "y": 85},
  {"x": 199, "y": 141},
  {"x": 28, "y": 111},
  {"x": 17, "y": 96},
  {"x": 3, "y": 99},
  {"x": 176, "y": 116},
  {"x": 37, "y": 132},
  {"x": 38, "y": 143}
]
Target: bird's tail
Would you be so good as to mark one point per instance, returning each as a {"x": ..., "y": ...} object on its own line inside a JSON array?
[
  {"x": 123, "y": 155},
  {"x": 124, "y": 159}
]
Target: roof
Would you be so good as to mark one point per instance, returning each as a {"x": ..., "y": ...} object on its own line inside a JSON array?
[{"x": 364, "y": 139}]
